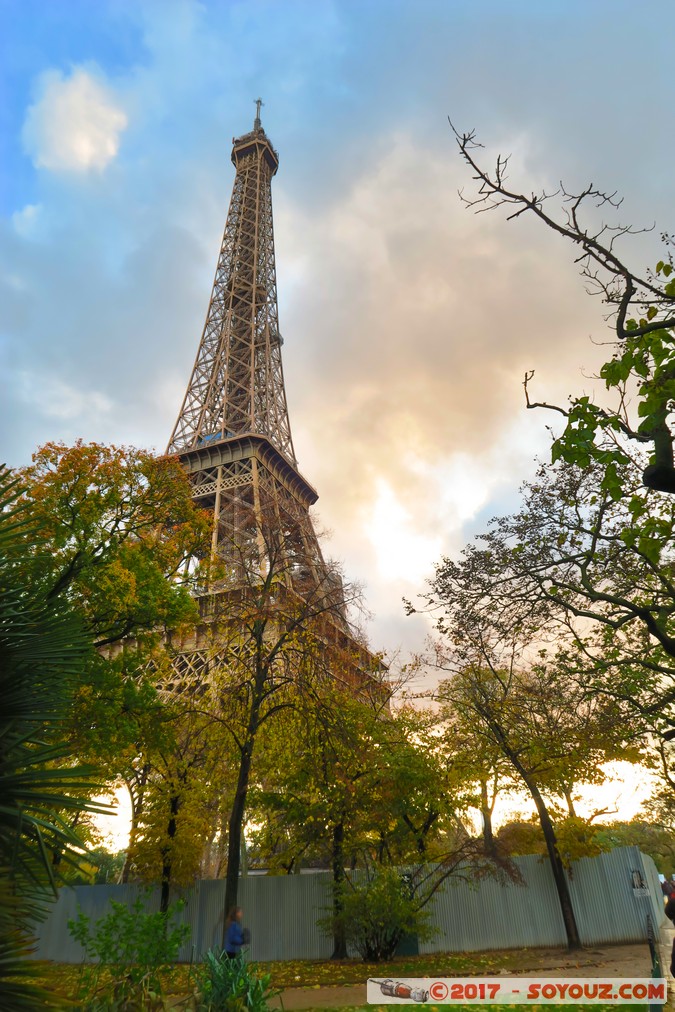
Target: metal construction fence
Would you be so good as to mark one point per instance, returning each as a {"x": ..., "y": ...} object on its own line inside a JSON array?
[{"x": 611, "y": 894}]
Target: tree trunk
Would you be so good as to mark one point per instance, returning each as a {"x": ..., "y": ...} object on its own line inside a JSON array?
[
  {"x": 235, "y": 824},
  {"x": 570, "y": 802},
  {"x": 559, "y": 877},
  {"x": 167, "y": 858},
  {"x": 339, "y": 941},
  {"x": 136, "y": 811},
  {"x": 486, "y": 816},
  {"x": 573, "y": 940}
]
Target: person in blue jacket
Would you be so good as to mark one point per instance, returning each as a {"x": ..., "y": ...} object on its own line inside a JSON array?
[{"x": 235, "y": 935}]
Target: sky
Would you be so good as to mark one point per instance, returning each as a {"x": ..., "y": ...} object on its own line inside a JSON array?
[{"x": 408, "y": 320}]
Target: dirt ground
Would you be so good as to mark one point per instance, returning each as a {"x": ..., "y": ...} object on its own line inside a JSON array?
[{"x": 605, "y": 961}]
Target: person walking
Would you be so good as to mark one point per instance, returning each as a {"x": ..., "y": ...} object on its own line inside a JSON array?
[{"x": 235, "y": 935}]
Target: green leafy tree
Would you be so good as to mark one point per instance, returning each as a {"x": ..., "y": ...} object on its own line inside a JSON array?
[
  {"x": 587, "y": 575},
  {"x": 347, "y": 785},
  {"x": 377, "y": 913},
  {"x": 607, "y": 568},
  {"x": 653, "y": 839},
  {"x": 271, "y": 644}
]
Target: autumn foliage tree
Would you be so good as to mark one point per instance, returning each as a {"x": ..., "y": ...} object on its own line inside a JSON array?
[
  {"x": 117, "y": 531},
  {"x": 119, "y": 526}
]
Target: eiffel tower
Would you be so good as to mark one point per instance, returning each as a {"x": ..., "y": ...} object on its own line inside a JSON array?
[
  {"x": 268, "y": 583},
  {"x": 232, "y": 434}
]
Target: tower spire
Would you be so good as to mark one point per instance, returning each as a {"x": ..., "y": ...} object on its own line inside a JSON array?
[{"x": 256, "y": 123}]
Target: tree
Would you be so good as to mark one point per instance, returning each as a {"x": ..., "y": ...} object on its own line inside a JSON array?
[
  {"x": 481, "y": 771},
  {"x": 653, "y": 838},
  {"x": 489, "y": 699},
  {"x": 347, "y": 785},
  {"x": 274, "y": 625},
  {"x": 544, "y": 726},
  {"x": 586, "y": 573},
  {"x": 319, "y": 776},
  {"x": 183, "y": 784},
  {"x": 117, "y": 533},
  {"x": 608, "y": 567},
  {"x": 43, "y": 652},
  {"x": 642, "y": 305},
  {"x": 118, "y": 529},
  {"x": 378, "y": 912}
]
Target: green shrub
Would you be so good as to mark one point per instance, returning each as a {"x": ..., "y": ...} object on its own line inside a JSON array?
[
  {"x": 377, "y": 913},
  {"x": 133, "y": 951},
  {"x": 231, "y": 985}
]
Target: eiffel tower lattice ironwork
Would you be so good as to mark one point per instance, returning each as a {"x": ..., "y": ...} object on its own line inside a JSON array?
[{"x": 232, "y": 433}]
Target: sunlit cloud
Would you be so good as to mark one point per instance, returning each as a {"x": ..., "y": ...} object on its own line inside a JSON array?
[
  {"x": 401, "y": 551},
  {"x": 75, "y": 123}
]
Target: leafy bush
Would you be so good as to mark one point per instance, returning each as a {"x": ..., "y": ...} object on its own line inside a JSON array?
[
  {"x": 231, "y": 985},
  {"x": 133, "y": 950},
  {"x": 377, "y": 913}
]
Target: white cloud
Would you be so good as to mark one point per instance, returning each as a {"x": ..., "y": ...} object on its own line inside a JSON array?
[
  {"x": 56, "y": 399},
  {"x": 75, "y": 124},
  {"x": 401, "y": 551},
  {"x": 26, "y": 220}
]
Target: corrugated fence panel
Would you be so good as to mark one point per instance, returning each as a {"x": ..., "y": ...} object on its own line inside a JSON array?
[
  {"x": 489, "y": 915},
  {"x": 606, "y": 906},
  {"x": 655, "y": 892},
  {"x": 54, "y": 939},
  {"x": 282, "y": 911}
]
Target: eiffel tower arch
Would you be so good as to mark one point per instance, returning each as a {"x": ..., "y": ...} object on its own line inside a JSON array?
[{"x": 233, "y": 438}]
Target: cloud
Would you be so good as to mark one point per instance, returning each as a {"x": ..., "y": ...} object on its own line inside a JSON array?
[
  {"x": 26, "y": 220},
  {"x": 392, "y": 524},
  {"x": 408, "y": 322},
  {"x": 75, "y": 124},
  {"x": 409, "y": 325},
  {"x": 55, "y": 399}
]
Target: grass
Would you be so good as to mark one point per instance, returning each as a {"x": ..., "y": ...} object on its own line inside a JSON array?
[
  {"x": 62, "y": 979},
  {"x": 334, "y": 973}
]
